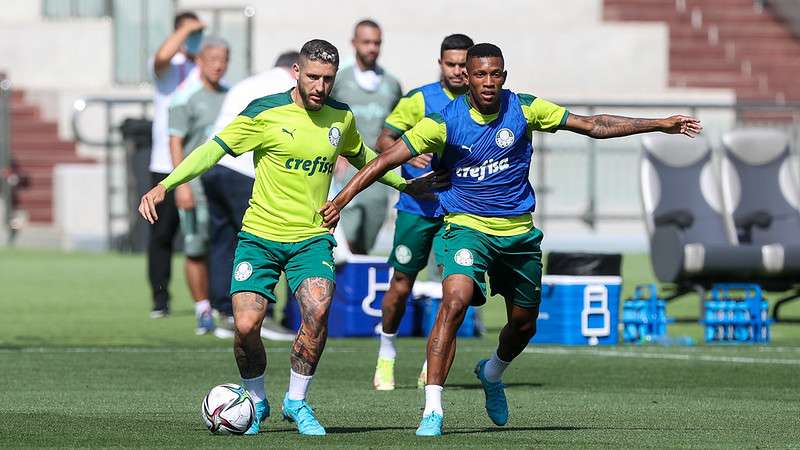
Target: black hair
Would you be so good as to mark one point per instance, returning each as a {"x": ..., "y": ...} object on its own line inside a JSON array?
[
  {"x": 366, "y": 23},
  {"x": 320, "y": 50},
  {"x": 179, "y": 18},
  {"x": 287, "y": 59},
  {"x": 456, "y": 42},
  {"x": 484, "y": 50}
]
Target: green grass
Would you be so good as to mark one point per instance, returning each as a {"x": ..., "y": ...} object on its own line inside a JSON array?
[{"x": 81, "y": 365}]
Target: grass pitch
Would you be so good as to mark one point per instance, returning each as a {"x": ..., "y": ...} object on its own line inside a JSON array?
[{"x": 81, "y": 365}]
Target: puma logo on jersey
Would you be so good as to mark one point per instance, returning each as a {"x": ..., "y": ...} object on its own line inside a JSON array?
[
  {"x": 489, "y": 167},
  {"x": 328, "y": 265},
  {"x": 290, "y": 133},
  {"x": 469, "y": 149}
]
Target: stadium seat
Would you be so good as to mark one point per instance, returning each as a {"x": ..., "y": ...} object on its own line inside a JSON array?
[
  {"x": 691, "y": 243},
  {"x": 762, "y": 201}
]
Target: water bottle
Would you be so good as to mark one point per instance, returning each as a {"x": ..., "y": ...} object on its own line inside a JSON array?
[
  {"x": 739, "y": 324},
  {"x": 710, "y": 320}
]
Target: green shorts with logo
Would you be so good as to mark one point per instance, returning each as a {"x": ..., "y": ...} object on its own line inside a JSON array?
[
  {"x": 414, "y": 236},
  {"x": 259, "y": 262},
  {"x": 513, "y": 263}
]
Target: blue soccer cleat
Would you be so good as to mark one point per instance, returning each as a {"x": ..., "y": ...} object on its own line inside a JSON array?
[
  {"x": 300, "y": 412},
  {"x": 262, "y": 412},
  {"x": 205, "y": 323},
  {"x": 496, "y": 404},
  {"x": 431, "y": 425}
]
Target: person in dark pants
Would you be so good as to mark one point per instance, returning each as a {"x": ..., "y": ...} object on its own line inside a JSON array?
[
  {"x": 228, "y": 194},
  {"x": 159, "y": 250},
  {"x": 172, "y": 64}
]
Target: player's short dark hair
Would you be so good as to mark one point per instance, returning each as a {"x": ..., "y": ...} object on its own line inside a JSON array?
[
  {"x": 366, "y": 23},
  {"x": 456, "y": 42},
  {"x": 320, "y": 50},
  {"x": 287, "y": 59},
  {"x": 484, "y": 50},
  {"x": 180, "y": 17}
]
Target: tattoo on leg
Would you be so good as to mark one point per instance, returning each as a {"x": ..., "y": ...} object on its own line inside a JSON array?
[
  {"x": 248, "y": 310},
  {"x": 314, "y": 296},
  {"x": 438, "y": 348}
]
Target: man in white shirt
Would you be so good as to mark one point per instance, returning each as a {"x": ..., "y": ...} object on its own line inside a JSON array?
[
  {"x": 228, "y": 187},
  {"x": 172, "y": 64}
]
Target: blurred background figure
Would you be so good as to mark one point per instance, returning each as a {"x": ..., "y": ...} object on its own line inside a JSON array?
[
  {"x": 228, "y": 187},
  {"x": 195, "y": 105},
  {"x": 172, "y": 64},
  {"x": 371, "y": 93}
]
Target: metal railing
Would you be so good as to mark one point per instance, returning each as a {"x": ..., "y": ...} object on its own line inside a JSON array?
[
  {"x": 7, "y": 178},
  {"x": 111, "y": 143},
  {"x": 547, "y": 148}
]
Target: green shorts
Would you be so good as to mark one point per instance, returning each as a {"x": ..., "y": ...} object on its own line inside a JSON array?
[
  {"x": 513, "y": 263},
  {"x": 259, "y": 262},
  {"x": 414, "y": 236}
]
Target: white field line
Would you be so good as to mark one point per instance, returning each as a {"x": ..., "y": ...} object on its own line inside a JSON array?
[{"x": 667, "y": 356}]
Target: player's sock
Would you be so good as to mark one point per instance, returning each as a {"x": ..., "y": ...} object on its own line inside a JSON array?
[
  {"x": 298, "y": 385},
  {"x": 494, "y": 368},
  {"x": 433, "y": 400},
  {"x": 201, "y": 307},
  {"x": 255, "y": 387},
  {"x": 387, "y": 349}
]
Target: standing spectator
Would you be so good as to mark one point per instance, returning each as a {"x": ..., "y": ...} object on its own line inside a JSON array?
[
  {"x": 371, "y": 93},
  {"x": 194, "y": 107},
  {"x": 229, "y": 185},
  {"x": 172, "y": 64}
]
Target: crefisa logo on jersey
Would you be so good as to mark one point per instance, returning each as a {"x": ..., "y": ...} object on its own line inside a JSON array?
[
  {"x": 504, "y": 137},
  {"x": 334, "y": 135}
]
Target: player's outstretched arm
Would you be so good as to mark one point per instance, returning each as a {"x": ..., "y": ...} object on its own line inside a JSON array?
[
  {"x": 388, "y": 137},
  {"x": 604, "y": 126},
  {"x": 194, "y": 165}
]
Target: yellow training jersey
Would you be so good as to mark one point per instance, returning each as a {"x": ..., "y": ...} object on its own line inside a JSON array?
[{"x": 295, "y": 152}]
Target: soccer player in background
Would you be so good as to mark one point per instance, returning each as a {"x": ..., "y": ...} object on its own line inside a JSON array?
[
  {"x": 418, "y": 221},
  {"x": 194, "y": 107},
  {"x": 484, "y": 140},
  {"x": 296, "y": 137},
  {"x": 229, "y": 186},
  {"x": 371, "y": 92}
]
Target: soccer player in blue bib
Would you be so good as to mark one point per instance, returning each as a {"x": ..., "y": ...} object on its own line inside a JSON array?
[
  {"x": 484, "y": 141},
  {"x": 419, "y": 223}
]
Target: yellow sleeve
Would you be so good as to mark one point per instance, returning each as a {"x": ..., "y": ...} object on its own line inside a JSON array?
[
  {"x": 197, "y": 163},
  {"x": 428, "y": 136},
  {"x": 541, "y": 114},
  {"x": 409, "y": 110},
  {"x": 242, "y": 135},
  {"x": 351, "y": 143}
]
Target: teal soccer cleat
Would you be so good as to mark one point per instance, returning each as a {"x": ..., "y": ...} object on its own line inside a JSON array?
[
  {"x": 431, "y": 425},
  {"x": 496, "y": 404},
  {"x": 300, "y": 412},
  {"x": 262, "y": 412}
]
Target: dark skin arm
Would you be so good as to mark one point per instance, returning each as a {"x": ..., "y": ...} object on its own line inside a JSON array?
[
  {"x": 604, "y": 126},
  {"x": 389, "y": 137},
  {"x": 389, "y": 159}
]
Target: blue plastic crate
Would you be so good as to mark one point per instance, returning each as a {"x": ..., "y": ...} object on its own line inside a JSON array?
[
  {"x": 644, "y": 317},
  {"x": 579, "y": 310},
  {"x": 356, "y": 306}
]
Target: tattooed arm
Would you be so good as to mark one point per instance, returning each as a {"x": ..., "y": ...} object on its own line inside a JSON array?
[
  {"x": 314, "y": 296},
  {"x": 606, "y": 126}
]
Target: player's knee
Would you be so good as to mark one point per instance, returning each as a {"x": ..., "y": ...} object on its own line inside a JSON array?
[
  {"x": 454, "y": 309},
  {"x": 247, "y": 325},
  {"x": 524, "y": 327},
  {"x": 402, "y": 284}
]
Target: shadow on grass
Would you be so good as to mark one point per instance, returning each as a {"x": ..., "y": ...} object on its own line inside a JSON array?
[
  {"x": 468, "y": 386},
  {"x": 562, "y": 428},
  {"x": 352, "y": 430}
]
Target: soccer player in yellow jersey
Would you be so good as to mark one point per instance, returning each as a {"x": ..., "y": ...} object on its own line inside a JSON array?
[
  {"x": 296, "y": 137},
  {"x": 419, "y": 223},
  {"x": 484, "y": 140}
]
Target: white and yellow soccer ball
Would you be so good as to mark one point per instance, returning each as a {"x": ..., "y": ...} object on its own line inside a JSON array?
[{"x": 227, "y": 408}]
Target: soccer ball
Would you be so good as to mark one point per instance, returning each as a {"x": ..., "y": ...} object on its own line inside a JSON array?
[{"x": 227, "y": 408}]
